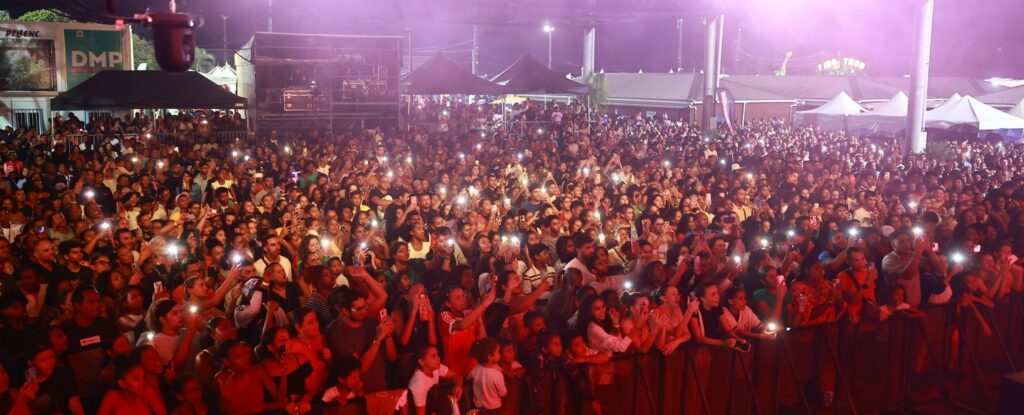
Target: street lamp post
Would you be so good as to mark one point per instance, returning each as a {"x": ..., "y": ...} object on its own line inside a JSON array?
[{"x": 550, "y": 30}]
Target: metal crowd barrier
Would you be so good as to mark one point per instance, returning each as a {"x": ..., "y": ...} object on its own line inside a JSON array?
[
  {"x": 940, "y": 359},
  {"x": 95, "y": 141}
]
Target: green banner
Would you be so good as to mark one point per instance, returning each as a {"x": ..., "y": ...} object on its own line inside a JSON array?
[{"x": 91, "y": 51}]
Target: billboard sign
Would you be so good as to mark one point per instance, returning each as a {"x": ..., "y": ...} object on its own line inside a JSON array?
[
  {"x": 27, "y": 61},
  {"x": 91, "y": 51}
]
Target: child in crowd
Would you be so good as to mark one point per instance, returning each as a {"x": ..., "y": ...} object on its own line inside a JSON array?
[
  {"x": 428, "y": 374},
  {"x": 348, "y": 387},
  {"x": 513, "y": 372},
  {"x": 243, "y": 386},
  {"x": 488, "y": 381},
  {"x": 549, "y": 364},
  {"x": 129, "y": 397},
  {"x": 189, "y": 393}
]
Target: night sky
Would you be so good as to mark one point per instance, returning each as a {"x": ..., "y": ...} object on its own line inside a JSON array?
[{"x": 971, "y": 38}]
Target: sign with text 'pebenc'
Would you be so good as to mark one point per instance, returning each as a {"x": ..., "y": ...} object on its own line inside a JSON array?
[{"x": 91, "y": 51}]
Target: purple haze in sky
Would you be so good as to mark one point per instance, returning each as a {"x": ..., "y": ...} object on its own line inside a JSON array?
[{"x": 971, "y": 37}]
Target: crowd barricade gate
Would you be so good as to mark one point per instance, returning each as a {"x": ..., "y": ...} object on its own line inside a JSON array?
[
  {"x": 937, "y": 357},
  {"x": 95, "y": 141}
]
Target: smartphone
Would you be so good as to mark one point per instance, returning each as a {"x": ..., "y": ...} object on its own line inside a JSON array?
[
  {"x": 977, "y": 248},
  {"x": 707, "y": 199},
  {"x": 30, "y": 375},
  {"x": 781, "y": 279},
  {"x": 935, "y": 247},
  {"x": 158, "y": 286},
  {"x": 383, "y": 313},
  {"x": 743, "y": 347}
]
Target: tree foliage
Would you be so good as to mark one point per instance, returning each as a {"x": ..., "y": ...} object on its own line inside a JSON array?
[
  {"x": 45, "y": 15},
  {"x": 5, "y": 15}
]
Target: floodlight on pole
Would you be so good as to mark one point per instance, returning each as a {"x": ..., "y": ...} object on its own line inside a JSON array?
[{"x": 550, "y": 30}]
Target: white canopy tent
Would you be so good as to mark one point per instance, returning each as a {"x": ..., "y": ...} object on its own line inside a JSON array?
[
  {"x": 971, "y": 113},
  {"x": 831, "y": 115},
  {"x": 888, "y": 118},
  {"x": 1017, "y": 110}
]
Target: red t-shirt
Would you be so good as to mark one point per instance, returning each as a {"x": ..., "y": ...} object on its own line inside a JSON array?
[{"x": 457, "y": 342}]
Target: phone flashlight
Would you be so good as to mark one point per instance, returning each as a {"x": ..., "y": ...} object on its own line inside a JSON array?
[
  {"x": 600, "y": 237},
  {"x": 515, "y": 240},
  {"x": 772, "y": 328},
  {"x": 236, "y": 258},
  {"x": 390, "y": 174},
  {"x": 628, "y": 285},
  {"x": 912, "y": 205},
  {"x": 451, "y": 242},
  {"x": 193, "y": 309},
  {"x": 790, "y": 233},
  {"x": 362, "y": 245},
  {"x": 507, "y": 201},
  {"x": 854, "y": 232},
  {"x": 462, "y": 200},
  {"x": 917, "y": 231},
  {"x": 666, "y": 163},
  {"x": 958, "y": 258},
  {"x": 105, "y": 225},
  {"x": 172, "y": 249},
  {"x": 374, "y": 223},
  {"x": 408, "y": 160},
  {"x": 325, "y": 243},
  {"x": 90, "y": 193},
  {"x": 135, "y": 159},
  {"x": 234, "y": 153},
  {"x": 586, "y": 171},
  {"x": 737, "y": 259},
  {"x": 764, "y": 242}
]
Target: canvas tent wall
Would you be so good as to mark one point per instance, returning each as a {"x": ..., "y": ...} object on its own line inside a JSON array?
[
  {"x": 831, "y": 115},
  {"x": 889, "y": 118},
  {"x": 1017, "y": 110}
]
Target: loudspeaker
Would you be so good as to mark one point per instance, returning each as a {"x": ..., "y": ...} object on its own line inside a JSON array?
[{"x": 1011, "y": 394}]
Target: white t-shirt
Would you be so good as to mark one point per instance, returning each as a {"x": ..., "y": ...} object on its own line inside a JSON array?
[
  {"x": 488, "y": 387},
  {"x": 261, "y": 265},
  {"x": 421, "y": 383},
  {"x": 747, "y": 321}
]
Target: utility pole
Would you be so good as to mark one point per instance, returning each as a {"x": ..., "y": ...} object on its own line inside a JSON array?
[
  {"x": 408, "y": 43},
  {"x": 550, "y": 30},
  {"x": 225, "y": 39},
  {"x": 476, "y": 50},
  {"x": 270, "y": 16},
  {"x": 589, "y": 51},
  {"x": 736, "y": 58},
  {"x": 721, "y": 42},
  {"x": 917, "y": 138},
  {"x": 679, "y": 52},
  {"x": 708, "y": 103}
]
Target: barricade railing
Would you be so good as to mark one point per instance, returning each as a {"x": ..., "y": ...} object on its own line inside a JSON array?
[
  {"x": 94, "y": 141},
  {"x": 939, "y": 356}
]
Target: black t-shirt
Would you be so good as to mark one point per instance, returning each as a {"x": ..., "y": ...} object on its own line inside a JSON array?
[
  {"x": 14, "y": 340},
  {"x": 86, "y": 353},
  {"x": 55, "y": 393},
  {"x": 376, "y": 192},
  {"x": 712, "y": 324}
]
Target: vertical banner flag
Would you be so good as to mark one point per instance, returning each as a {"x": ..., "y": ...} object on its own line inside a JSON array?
[{"x": 725, "y": 97}]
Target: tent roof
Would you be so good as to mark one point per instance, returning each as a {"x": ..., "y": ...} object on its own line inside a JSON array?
[
  {"x": 439, "y": 75},
  {"x": 973, "y": 113},
  {"x": 811, "y": 87},
  {"x": 146, "y": 89},
  {"x": 895, "y": 107},
  {"x": 1009, "y": 96},
  {"x": 842, "y": 104},
  {"x": 528, "y": 76},
  {"x": 1017, "y": 110}
]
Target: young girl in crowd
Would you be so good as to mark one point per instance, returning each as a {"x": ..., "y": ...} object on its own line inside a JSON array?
[
  {"x": 189, "y": 394},
  {"x": 488, "y": 381},
  {"x": 131, "y": 396},
  {"x": 429, "y": 373},
  {"x": 244, "y": 388}
]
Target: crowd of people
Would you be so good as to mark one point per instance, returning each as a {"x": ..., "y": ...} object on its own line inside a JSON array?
[{"x": 304, "y": 272}]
